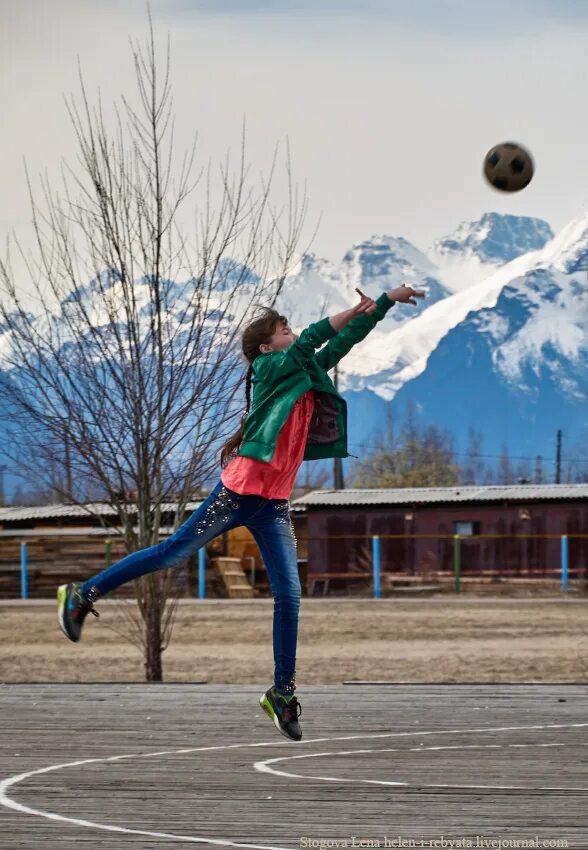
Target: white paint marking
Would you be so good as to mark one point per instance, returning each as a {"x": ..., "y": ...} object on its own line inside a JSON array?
[
  {"x": 11, "y": 781},
  {"x": 264, "y": 766}
]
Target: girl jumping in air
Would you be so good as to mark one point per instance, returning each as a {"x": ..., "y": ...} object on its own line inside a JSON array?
[{"x": 297, "y": 414}]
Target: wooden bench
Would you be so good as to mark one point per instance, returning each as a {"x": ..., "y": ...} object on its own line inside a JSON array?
[
  {"x": 313, "y": 578},
  {"x": 404, "y": 578},
  {"x": 388, "y": 580},
  {"x": 412, "y": 584}
]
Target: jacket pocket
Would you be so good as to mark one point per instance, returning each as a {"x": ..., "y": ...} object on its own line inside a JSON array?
[{"x": 323, "y": 426}]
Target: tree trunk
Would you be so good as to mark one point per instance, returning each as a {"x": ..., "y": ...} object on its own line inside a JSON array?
[{"x": 153, "y": 666}]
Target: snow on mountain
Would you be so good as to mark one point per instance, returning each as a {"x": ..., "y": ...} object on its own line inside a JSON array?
[
  {"x": 568, "y": 251},
  {"x": 495, "y": 238},
  {"x": 311, "y": 291},
  {"x": 385, "y": 262},
  {"x": 517, "y": 371},
  {"x": 384, "y": 259},
  {"x": 545, "y": 318},
  {"x": 453, "y": 264},
  {"x": 400, "y": 354},
  {"x": 375, "y": 265},
  {"x": 541, "y": 326},
  {"x": 476, "y": 248},
  {"x": 509, "y": 355}
]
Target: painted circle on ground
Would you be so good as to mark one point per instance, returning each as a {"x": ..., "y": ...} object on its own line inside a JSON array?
[{"x": 12, "y": 781}]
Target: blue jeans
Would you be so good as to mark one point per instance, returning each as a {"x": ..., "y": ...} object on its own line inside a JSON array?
[{"x": 269, "y": 522}]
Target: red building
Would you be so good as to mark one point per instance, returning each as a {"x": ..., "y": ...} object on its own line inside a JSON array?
[{"x": 512, "y": 531}]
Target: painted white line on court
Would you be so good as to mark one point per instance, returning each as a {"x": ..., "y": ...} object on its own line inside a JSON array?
[
  {"x": 265, "y": 766},
  {"x": 11, "y": 781}
]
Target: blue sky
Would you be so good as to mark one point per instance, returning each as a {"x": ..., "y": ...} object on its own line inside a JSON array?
[
  {"x": 415, "y": 10},
  {"x": 464, "y": 16},
  {"x": 388, "y": 107}
]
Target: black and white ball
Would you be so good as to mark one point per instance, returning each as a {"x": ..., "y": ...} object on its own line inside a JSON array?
[{"x": 508, "y": 167}]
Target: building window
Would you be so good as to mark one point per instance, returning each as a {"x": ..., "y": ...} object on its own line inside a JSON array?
[{"x": 467, "y": 528}]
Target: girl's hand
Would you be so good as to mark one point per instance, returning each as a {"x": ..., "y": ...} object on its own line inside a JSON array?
[
  {"x": 405, "y": 294},
  {"x": 366, "y": 305}
]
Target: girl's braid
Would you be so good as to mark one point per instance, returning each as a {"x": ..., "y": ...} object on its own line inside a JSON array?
[
  {"x": 255, "y": 334},
  {"x": 248, "y": 389}
]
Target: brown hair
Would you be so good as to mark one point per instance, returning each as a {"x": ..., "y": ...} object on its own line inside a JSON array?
[{"x": 258, "y": 332}]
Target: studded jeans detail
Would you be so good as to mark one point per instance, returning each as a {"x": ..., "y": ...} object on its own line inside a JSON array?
[
  {"x": 226, "y": 501},
  {"x": 269, "y": 522}
]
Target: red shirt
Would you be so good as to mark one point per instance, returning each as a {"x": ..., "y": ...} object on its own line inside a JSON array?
[{"x": 274, "y": 480}]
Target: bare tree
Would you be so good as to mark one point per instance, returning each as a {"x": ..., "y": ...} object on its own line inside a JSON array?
[
  {"x": 474, "y": 468},
  {"x": 127, "y": 369},
  {"x": 414, "y": 455},
  {"x": 504, "y": 472}
]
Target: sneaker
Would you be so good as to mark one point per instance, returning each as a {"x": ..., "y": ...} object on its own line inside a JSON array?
[
  {"x": 72, "y": 608},
  {"x": 284, "y": 711}
]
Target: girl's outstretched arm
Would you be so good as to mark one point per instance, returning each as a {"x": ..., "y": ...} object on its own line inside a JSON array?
[
  {"x": 361, "y": 319},
  {"x": 366, "y": 305},
  {"x": 297, "y": 355}
]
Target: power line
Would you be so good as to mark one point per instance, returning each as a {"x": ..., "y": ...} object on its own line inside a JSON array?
[
  {"x": 384, "y": 448},
  {"x": 473, "y": 458}
]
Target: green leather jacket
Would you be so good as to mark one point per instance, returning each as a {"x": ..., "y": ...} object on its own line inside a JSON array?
[{"x": 281, "y": 377}]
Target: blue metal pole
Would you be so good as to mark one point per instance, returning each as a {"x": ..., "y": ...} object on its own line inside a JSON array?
[
  {"x": 564, "y": 562},
  {"x": 24, "y": 575},
  {"x": 376, "y": 564},
  {"x": 201, "y": 572}
]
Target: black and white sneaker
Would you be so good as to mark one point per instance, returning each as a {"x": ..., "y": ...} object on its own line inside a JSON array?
[
  {"x": 283, "y": 711},
  {"x": 72, "y": 609}
]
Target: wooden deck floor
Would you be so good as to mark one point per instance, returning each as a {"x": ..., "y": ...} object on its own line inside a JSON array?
[{"x": 162, "y": 766}]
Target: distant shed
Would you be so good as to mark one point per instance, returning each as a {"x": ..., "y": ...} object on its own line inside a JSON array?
[{"x": 67, "y": 541}]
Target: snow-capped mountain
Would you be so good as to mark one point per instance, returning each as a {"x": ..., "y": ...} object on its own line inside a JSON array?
[
  {"x": 477, "y": 248},
  {"x": 495, "y": 239},
  {"x": 508, "y": 355},
  {"x": 375, "y": 265},
  {"x": 453, "y": 263},
  {"x": 385, "y": 262}
]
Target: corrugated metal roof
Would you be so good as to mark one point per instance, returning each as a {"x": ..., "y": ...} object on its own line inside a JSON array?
[
  {"x": 439, "y": 495},
  {"x": 114, "y": 533},
  {"x": 336, "y": 498},
  {"x": 17, "y": 514}
]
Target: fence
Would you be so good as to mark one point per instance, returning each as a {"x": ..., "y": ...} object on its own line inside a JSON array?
[
  {"x": 380, "y": 561},
  {"x": 446, "y": 559}
]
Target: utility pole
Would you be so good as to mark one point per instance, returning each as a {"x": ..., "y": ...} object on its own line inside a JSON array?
[
  {"x": 68, "y": 480},
  {"x": 538, "y": 470},
  {"x": 3, "y": 468},
  {"x": 338, "y": 482},
  {"x": 558, "y": 459}
]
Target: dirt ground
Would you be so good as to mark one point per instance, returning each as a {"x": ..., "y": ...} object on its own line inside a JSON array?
[{"x": 221, "y": 641}]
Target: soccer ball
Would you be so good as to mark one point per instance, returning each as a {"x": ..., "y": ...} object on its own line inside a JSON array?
[{"x": 508, "y": 167}]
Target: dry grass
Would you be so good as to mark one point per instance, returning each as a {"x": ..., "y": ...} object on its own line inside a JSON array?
[{"x": 425, "y": 640}]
